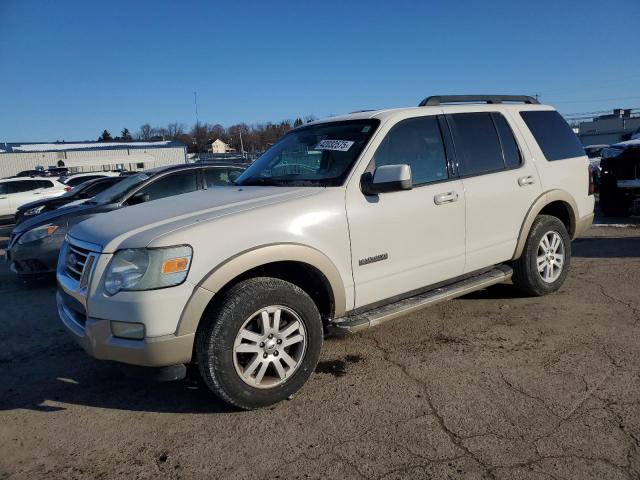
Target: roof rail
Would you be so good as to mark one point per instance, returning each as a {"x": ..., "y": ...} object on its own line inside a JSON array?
[{"x": 436, "y": 100}]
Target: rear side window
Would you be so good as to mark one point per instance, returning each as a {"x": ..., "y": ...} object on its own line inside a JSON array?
[
  {"x": 45, "y": 184},
  {"x": 416, "y": 142},
  {"x": 23, "y": 186},
  {"x": 553, "y": 134},
  {"x": 477, "y": 144},
  {"x": 512, "y": 157},
  {"x": 3, "y": 188}
]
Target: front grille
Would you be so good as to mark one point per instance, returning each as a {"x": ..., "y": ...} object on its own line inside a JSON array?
[{"x": 77, "y": 262}]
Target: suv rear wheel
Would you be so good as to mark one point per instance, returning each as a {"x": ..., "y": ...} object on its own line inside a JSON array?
[
  {"x": 260, "y": 343},
  {"x": 544, "y": 263}
]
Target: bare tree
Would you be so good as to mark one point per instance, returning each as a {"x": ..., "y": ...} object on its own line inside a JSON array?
[{"x": 146, "y": 132}]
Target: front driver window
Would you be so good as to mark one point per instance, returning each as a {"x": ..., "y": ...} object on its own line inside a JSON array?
[
  {"x": 172, "y": 184},
  {"x": 416, "y": 142}
]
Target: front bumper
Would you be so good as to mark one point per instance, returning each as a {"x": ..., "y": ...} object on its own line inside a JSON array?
[
  {"x": 87, "y": 311},
  {"x": 94, "y": 335},
  {"x": 36, "y": 257}
]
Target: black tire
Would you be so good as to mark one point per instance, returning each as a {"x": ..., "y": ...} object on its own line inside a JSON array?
[
  {"x": 526, "y": 277},
  {"x": 612, "y": 201},
  {"x": 221, "y": 323}
]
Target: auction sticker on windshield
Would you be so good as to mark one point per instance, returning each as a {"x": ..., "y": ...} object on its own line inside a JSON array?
[{"x": 338, "y": 145}]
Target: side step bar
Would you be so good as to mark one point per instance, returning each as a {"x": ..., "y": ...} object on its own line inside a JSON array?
[{"x": 371, "y": 318}]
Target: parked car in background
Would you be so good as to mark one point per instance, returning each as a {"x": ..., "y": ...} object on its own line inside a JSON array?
[
  {"x": 84, "y": 191},
  {"x": 15, "y": 192},
  {"x": 342, "y": 225},
  {"x": 42, "y": 172},
  {"x": 620, "y": 179},
  {"x": 594, "y": 153},
  {"x": 76, "y": 179},
  {"x": 34, "y": 244}
]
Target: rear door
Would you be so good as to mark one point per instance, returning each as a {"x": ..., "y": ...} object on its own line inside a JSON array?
[
  {"x": 500, "y": 183},
  {"x": 23, "y": 191}
]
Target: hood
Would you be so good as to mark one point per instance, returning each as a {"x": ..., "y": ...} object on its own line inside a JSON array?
[
  {"x": 59, "y": 217},
  {"x": 169, "y": 214}
]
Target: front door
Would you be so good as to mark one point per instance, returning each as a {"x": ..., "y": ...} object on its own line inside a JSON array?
[{"x": 403, "y": 241}]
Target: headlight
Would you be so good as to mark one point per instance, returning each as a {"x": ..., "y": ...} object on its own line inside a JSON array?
[
  {"x": 147, "y": 268},
  {"x": 38, "y": 233},
  {"x": 34, "y": 210}
]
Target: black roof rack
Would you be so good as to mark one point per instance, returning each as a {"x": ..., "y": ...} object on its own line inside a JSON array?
[{"x": 491, "y": 99}]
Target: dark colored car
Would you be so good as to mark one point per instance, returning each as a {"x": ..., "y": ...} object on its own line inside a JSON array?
[
  {"x": 620, "y": 179},
  {"x": 84, "y": 191},
  {"x": 34, "y": 244}
]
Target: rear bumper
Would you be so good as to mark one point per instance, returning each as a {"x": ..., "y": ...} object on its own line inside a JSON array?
[
  {"x": 94, "y": 335},
  {"x": 583, "y": 224}
]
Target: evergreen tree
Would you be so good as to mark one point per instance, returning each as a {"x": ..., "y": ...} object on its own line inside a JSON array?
[
  {"x": 105, "y": 137},
  {"x": 125, "y": 135},
  {"x": 297, "y": 123}
]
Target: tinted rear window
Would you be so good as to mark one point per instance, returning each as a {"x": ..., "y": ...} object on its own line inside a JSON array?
[
  {"x": 477, "y": 144},
  {"x": 553, "y": 134},
  {"x": 512, "y": 157}
]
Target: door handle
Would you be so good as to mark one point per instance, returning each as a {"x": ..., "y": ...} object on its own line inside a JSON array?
[
  {"x": 528, "y": 180},
  {"x": 448, "y": 197}
]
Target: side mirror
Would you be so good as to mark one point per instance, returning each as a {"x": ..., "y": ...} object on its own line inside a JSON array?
[
  {"x": 387, "y": 178},
  {"x": 139, "y": 197}
]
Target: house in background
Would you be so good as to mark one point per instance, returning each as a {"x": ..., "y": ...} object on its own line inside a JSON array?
[{"x": 220, "y": 147}]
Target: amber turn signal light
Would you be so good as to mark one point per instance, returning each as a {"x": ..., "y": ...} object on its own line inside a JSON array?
[{"x": 175, "y": 265}]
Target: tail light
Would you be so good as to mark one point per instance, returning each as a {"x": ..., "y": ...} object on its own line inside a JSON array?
[
  {"x": 68, "y": 189},
  {"x": 592, "y": 185}
]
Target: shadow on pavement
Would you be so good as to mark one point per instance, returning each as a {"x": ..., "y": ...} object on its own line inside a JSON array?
[
  {"x": 606, "y": 247},
  {"x": 57, "y": 384}
]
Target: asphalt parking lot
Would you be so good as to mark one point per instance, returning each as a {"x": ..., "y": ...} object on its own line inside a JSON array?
[{"x": 491, "y": 385}]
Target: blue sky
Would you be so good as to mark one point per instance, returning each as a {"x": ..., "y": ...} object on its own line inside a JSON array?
[{"x": 72, "y": 68}]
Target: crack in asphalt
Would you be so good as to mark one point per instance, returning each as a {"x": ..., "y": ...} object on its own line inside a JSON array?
[{"x": 489, "y": 469}]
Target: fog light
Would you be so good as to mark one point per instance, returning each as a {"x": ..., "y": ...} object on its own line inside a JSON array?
[{"x": 129, "y": 330}]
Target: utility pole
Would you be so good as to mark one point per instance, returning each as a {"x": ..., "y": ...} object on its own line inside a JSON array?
[
  {"x": 195, "y": 102},
  {"x": 241, "y": 144}
]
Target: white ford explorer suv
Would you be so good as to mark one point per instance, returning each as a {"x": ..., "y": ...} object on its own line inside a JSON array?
[{"x": 342, "y": 225}]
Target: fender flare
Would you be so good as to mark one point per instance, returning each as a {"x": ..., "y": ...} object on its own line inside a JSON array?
[
  {"x": 231, "y": 268},
  {"x": 542, "y": 201}
]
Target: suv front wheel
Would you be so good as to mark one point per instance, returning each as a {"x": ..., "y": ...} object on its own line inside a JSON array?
[
  {"x": 544, "y": 263},
  {"x": 259, "y": 343}
]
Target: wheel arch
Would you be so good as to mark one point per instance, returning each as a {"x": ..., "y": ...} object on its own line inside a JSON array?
[
  {"x": 302, "y": 265},
  {"x": 557, "y": 203}
]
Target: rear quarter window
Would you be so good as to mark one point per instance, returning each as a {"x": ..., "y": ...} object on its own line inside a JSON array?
[{"x": 553, "y": 134}]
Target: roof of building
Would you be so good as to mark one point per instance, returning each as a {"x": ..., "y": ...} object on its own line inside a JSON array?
[{"x": 84, "y": 146}]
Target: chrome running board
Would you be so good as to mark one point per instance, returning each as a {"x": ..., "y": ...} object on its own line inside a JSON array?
[{"x": 371, "y": 318}]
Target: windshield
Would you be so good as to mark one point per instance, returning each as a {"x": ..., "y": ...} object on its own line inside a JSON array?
[
  {"x": 317, "y": 155},
  {"x": 116, "y": 192}
]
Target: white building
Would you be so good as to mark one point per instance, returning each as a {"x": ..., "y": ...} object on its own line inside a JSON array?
[
  {"x": 220, "y": 147},
  {"x": 609, "y": 129},
  {"x": 89, "y": 156}
]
